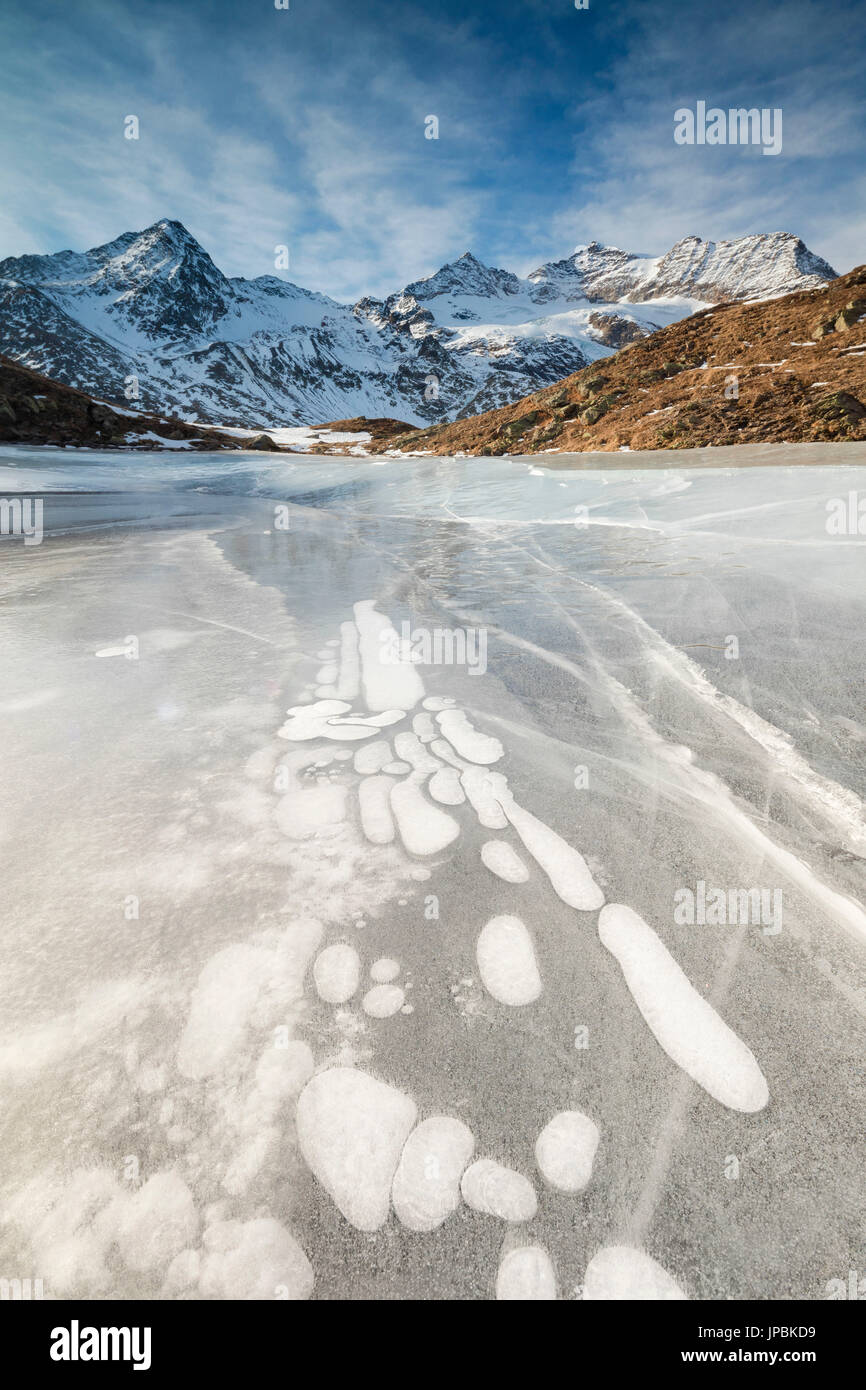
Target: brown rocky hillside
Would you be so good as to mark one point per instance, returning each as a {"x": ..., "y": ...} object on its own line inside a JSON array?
[
  {"x": 774, "y": 371},
  {"x": 36, "y": 410}
]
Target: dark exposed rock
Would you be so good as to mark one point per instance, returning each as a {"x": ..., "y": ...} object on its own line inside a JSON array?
[
  {"x": 842, "y": 406},
  {"x": 615, "y": 330},
  {"x": 36, "y": 410}
]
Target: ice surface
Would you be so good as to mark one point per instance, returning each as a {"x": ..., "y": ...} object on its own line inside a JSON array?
[
  {"x": 173, "y": 868},
  {"x": 300, "y": 814}
]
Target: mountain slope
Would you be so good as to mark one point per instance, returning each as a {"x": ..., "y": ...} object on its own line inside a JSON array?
[
  {"x": 149, "y": 321},
  {"x": 34, "y": 410},
  {"x": 778, "y": 371}
]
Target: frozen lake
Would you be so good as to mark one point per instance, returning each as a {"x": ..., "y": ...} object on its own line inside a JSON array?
[{"x": 317, "y": 774}]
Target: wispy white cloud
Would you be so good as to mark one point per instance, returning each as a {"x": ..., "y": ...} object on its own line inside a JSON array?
[{"x": 262, "y": 127}]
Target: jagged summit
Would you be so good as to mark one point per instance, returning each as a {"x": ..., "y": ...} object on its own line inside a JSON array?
[
  {"x": 467, "y": 275},
  {"x": 753, "y": 267}
]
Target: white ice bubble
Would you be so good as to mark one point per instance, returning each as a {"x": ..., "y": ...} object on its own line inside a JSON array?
[
  {"x": 566, "y": 868},
  {"x": 410, "y": 749},
  {"x": 444, "y": 787},
  {"x": 526, "y": 1275},
  {"x": 442, "y": 748},
  {"x": 336, "y": 972},
  {"x": 624, "y": 1272},
  {"x": 182, "y": 1273},
  {"x": 258, "y": 1259},
  {"x": 387, "y": 683},
  {"x": 486, "y": 791},
  {"x": 283, "y": 1071},
  {"x": 384, "y": 970},
  {"x": 684, "y": 1024},
  {"x": 249, "y": 1159},
  {"x": 228, "y": 990},
  {"x": 349, "y": 682},
  {"x": 499, "y": 857},
  {"x": 351, "y": 1130},
  {"x": 466, "y": 739},
  {"x": 301, "y": 813},
  {"x": 424, "y": 727},
  {"x": 424, "y": 829},
  {"x": 332, "y": 719},
  {"x": 507, "y": 961},
  {"x": 158, "y": 1221},
  {"x": 372, "y": 757},
  {"x": 222, "y": 1001},
  {"x": 492, "y": 1188},
  {"x": 437, "y": 702},
  {"x": 382, "y": 1001},
  {"x": 565, "y": 1150},
  {"x": 374, "y": 804},
  {"x": 396, "y": 768},
  {"x": 426, "y": 1187}
]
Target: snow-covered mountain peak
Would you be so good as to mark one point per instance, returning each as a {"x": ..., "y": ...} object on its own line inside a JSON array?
[
  {"x": 153, "y": 305},
  {"x": 465, "y": 276}
]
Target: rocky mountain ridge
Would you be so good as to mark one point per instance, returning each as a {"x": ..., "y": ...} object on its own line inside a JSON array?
[{"x": 149, "y": 322}]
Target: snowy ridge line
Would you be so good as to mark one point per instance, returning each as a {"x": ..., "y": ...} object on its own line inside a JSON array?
[{"x": 154, "y": 305}]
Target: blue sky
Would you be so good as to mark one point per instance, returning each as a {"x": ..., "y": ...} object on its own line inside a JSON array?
[{"x": 305, "y": 127}]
